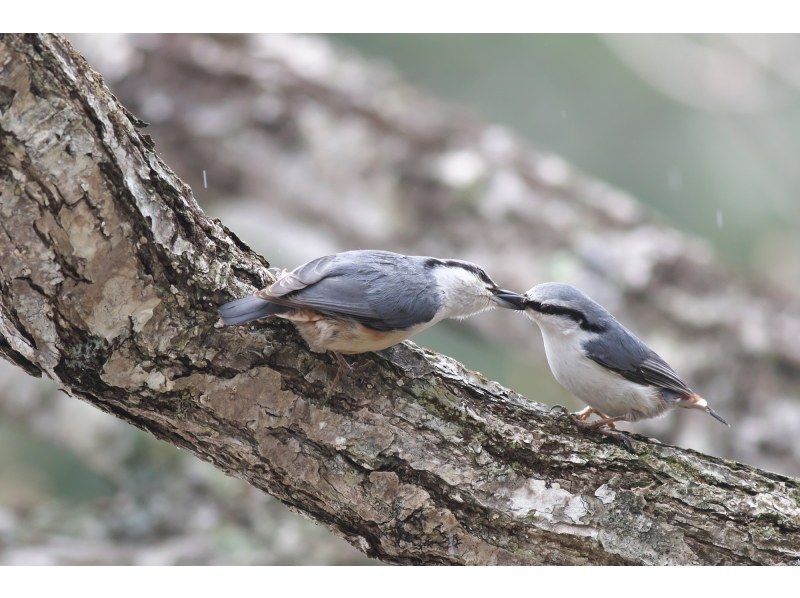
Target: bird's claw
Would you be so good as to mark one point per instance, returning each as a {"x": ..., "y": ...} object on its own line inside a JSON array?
[
  {"x": 608, "y": 431},
  {"x": 620, "y": 438},
  {"x": 345, "y": 369},
  {"x": 563, "y": 411},
  {"x": 342, "y": 366}
]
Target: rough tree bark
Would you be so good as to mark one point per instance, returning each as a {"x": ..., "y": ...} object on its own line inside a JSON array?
[
  {"x": 289, "y": 125},
  {"x": 109, "y": 278},
  {"x": 157, "y": 506}
]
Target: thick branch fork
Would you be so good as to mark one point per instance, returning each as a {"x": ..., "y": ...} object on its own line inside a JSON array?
[{"x": 109, "y": 278}]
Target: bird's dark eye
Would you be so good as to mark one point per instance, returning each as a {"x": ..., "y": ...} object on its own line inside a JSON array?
[
  {"x": 558, "y": 310},
  {"x": 573, "y": 314}
]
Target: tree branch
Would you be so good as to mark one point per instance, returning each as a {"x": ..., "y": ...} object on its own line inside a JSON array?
[
  {"x": 110, "y": 275},
  {"x": 288, "y": 126}
]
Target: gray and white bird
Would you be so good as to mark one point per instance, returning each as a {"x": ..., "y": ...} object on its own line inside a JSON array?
[
  {"x": 602, "y": 363},
  {"x": 360, "y": 301}
]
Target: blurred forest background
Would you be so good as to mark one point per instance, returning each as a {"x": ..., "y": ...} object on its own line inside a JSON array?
[{"x": 702, "y": 130}]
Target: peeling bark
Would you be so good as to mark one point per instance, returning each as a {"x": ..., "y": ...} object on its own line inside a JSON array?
[{"x": 109, "y": 278}]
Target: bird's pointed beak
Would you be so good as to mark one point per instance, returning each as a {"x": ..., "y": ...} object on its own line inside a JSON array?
[
  {"x": 508, "y": 299},
  {"x": 695, "y": 401},
  {"x": 716, "y": 416}
]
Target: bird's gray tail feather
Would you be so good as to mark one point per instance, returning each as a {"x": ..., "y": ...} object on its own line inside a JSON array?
[{"x": 248, "y": 309}]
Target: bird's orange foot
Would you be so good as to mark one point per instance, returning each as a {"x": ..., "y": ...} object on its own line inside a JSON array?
[{"x": 606, "y": 422}]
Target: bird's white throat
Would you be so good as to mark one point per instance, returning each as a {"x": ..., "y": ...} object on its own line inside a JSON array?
[{"x": 463, "y": 293}]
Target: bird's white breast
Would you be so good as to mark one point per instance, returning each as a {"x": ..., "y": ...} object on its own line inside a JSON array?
[{"x": 595, "y": 385}]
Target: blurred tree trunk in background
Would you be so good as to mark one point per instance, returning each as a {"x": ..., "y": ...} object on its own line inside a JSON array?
[{"x": 110, "y": 276}]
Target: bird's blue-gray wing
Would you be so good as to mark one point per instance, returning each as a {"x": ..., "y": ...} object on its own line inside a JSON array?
[
  {"x": 621, "y": 351},
  {"x": 301, "y": 277},
  {"x": 382, "y": 290}
]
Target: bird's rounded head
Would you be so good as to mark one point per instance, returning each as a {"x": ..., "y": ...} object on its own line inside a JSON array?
[{"x": 560, "y": 306}]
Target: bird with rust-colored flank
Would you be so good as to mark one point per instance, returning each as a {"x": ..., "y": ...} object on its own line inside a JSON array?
[
  {"x": 602, "y": 363},
  {"x": 360, "y": 301}
]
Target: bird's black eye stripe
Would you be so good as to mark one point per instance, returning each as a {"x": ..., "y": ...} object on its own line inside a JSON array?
[
  {"x": 477, "y": 271},
  {"x": 556, "y": 310},
  {"x": 433, "y": 262},
  {"x": 573, "y": 314},
  {"x": 485, "y": 277}
]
